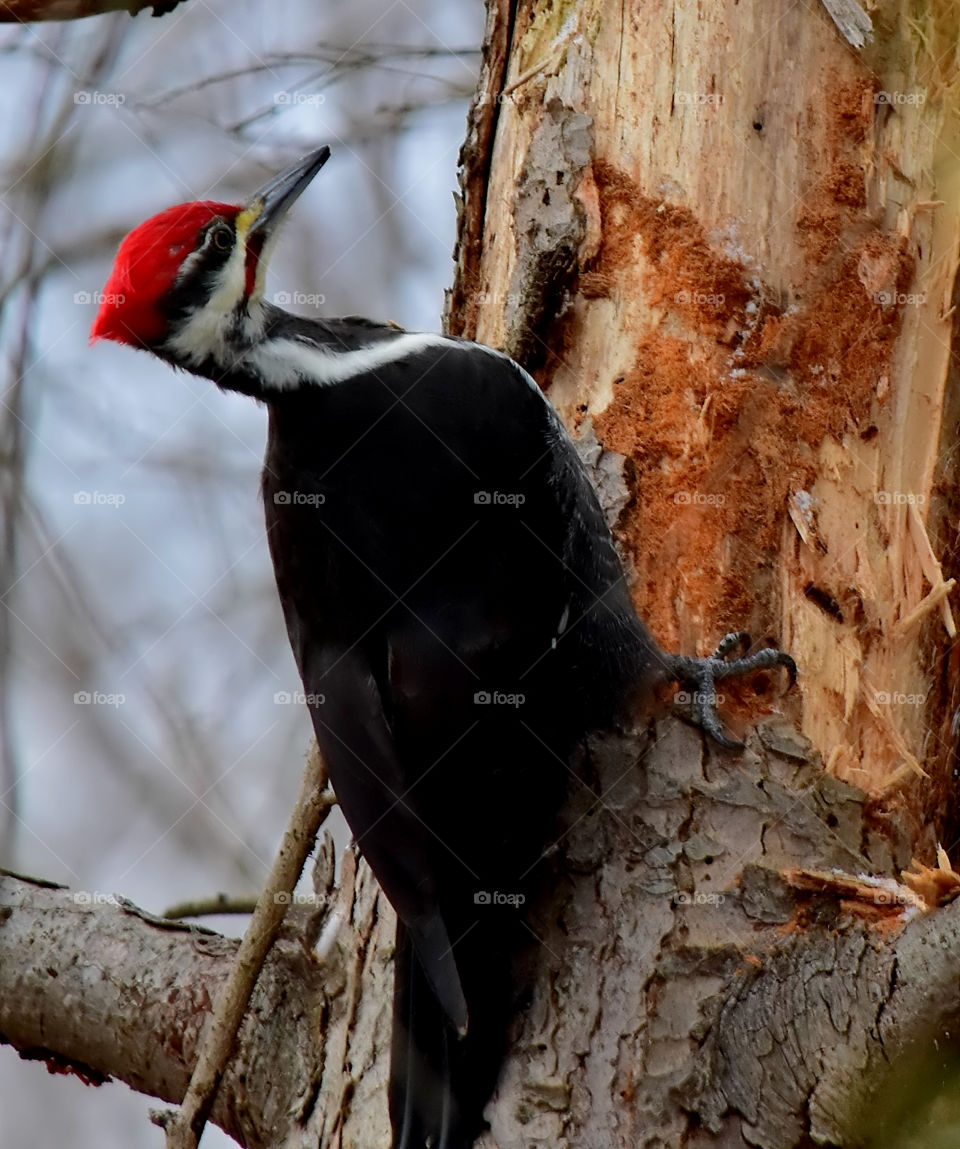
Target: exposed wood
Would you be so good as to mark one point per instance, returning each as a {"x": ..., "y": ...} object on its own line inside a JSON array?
[{"x": 739, "y": 263}]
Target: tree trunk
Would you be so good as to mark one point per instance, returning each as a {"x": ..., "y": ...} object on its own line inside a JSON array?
[
  {"x": 730, "y": 243},
  {"x": 726, "y": 245}
]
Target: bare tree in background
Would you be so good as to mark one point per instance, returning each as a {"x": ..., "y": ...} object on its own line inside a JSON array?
[{"x": 735, "y": 276}]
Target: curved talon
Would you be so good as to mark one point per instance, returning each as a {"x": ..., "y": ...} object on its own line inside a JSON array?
[
  {"x": 703, "y": 674},
  {"x": 760, "y": 660}
]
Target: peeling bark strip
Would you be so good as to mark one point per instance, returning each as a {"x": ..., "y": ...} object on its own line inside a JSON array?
[{"x": 550, "y": 227}]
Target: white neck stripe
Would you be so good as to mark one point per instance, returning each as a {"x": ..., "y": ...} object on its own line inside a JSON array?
[{"x": 285, "y": 363}]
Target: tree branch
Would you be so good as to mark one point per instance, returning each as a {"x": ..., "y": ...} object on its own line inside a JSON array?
[
  {"x": 27, "y": 11},
  {"x": 92, "y": 985},
  {"x": 185, "y": 1127}
]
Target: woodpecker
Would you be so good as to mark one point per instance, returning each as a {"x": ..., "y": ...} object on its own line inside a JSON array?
[{"x": 455, "y": 604}]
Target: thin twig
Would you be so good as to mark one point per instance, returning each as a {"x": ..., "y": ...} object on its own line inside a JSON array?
[
  {"x": 184, "y": 1126},
  {"x": 205, "y": 907}
]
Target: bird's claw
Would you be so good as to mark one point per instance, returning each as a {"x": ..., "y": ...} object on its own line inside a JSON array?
[{"x": 703, "y": 674}]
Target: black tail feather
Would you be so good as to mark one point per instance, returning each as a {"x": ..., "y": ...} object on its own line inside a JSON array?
[{"x": 441, "y": 1081}]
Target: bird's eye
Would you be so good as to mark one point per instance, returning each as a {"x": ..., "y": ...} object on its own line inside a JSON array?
[{"x": 222, "y": 237}]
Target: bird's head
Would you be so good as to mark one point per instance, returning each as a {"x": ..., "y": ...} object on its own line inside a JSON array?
[{"x": 188, "y": 283}]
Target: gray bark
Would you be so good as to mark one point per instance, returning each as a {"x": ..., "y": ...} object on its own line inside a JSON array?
[{"x": 685, "y": 991}]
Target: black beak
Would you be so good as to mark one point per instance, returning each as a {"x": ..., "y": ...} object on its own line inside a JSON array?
[{"x": 277, "y": 197}]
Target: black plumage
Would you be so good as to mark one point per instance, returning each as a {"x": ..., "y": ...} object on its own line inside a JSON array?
[{"x": 460, "y": 618}]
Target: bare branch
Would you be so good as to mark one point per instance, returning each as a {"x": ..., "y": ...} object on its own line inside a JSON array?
[
  {"x": 314, "y": 802},
  {"x": 27, "y": 11},
  {"x": 208, "y": 907}
]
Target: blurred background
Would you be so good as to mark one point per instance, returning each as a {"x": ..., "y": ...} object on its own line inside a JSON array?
[{"x": 148, "y": 743}]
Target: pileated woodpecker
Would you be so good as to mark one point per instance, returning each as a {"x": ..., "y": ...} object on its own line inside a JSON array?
[{"x": 454, "y": 600}]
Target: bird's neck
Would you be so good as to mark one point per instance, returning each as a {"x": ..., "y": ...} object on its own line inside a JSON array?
[{"x": 273, "y": 352}]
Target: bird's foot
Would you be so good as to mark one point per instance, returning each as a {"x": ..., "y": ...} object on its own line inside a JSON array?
[{"x": 703, "y": 674}]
